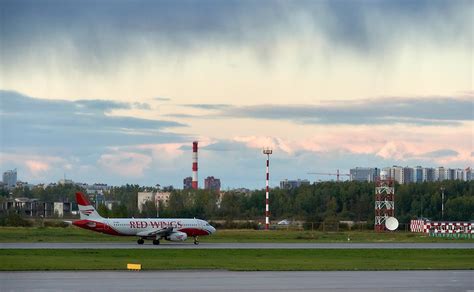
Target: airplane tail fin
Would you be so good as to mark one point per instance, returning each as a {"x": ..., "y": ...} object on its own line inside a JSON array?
[{"x": 86, "y": 210}]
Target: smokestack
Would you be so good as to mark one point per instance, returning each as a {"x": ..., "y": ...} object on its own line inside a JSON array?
[{"x": 195, "y": 165}]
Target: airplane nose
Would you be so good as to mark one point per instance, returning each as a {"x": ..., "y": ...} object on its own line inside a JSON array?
[{"x": 213, "y": 230}]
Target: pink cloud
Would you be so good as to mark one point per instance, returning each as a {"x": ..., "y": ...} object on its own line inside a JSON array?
[
  {"x": 37, "y": 167},
  {"x": 31, "y": 165},
  {"x": 398, "y": 142}
]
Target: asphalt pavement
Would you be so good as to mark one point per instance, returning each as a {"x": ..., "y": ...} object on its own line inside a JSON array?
[
  {"x": 205, "y": 245},
  {"x": 238, "y": 281}
]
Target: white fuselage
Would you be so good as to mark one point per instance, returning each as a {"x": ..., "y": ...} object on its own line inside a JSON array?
[{"x": 144, "y": 227}]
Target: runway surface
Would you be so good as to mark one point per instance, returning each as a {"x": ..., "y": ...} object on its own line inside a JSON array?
[
  {"x": 238, "y": 281},
  {"x": 190, "y": 245}
]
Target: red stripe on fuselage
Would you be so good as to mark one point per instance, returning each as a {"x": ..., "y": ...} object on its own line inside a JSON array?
[
  {"x": 97, "y": 226},
  {"x": 194, "y": 231}
]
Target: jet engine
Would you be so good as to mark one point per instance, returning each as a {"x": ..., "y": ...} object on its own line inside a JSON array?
[{"x": 177, "y": 236}]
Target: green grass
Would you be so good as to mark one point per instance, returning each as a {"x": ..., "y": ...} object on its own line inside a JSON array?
[
  {"x": 74, "y": 234},
  {"x": 238, "y": 260}
]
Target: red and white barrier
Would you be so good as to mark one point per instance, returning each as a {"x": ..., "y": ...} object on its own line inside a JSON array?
[
  {"x": 417, "y": 225},
  {"x": 441, "y": 227}
]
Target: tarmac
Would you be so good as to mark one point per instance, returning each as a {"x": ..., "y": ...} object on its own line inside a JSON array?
[
  {"x": 205, "y": 245},
  {"x": 238, "y": 281}
]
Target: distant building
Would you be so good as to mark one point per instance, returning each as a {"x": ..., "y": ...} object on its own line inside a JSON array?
[
  {"x": 428, "y": 174},
  {"x": 64, "y": 182},
  {"x": 364, "y": 174},
  {"x": 110, "y": 204},
  {"x": 96, "y": 188},
  {"x": 26, "y": 206},
  {"x": 402, "y": 175},
  {"x": 187, "y": 183},
  {"x": 440, "y": 174},
  {"x": 212, "y": 183},
  {"x": 97, "y": 198},
  {"x": 418, "y": 174},
  {"x": 24, "y": 185},
  {"x": 62, "y": 208},
  {"x": 144, "y": 197},
  {"x": 34, "y": 208},
  {"x": 292, "y": 184},
  {"x": 467, "y": 174},
  {"x": 450, "y": 174},
  {"x": 10, "y": 178},
  {"x": 395, "y": 172},
  {"x": 155, "y": 197},
  {"x": 407, "y": 175},
  {"x": 162, "y": 197},
  {"x": 242, "y": 191}
]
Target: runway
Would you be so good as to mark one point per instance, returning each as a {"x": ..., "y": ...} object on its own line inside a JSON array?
[
  {"x": 204, "y": 245},
  {"x": 238, "y": 281}
]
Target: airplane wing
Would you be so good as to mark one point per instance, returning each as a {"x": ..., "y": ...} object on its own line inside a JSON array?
[{"x": 160, "y": 232}]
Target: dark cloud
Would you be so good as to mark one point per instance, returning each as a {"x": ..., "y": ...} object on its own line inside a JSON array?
[
  {"x": 101, "y": 33},
  {"x": 82, "y": 124},
  {"x": 162, "y": 99},
  {"x": 387, "y": 110},
  {"x": 208, "y": 106},
  {"x": 441, "y": 153},
  {"x": 94, "y": 105},
  {"x": 141, "y": 105}
]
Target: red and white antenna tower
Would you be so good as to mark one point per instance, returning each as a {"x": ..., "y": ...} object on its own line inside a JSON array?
[
  {"x": 195, "y": 165},
  {"x": 267, "y": 151},
  {"x": 384, "y": 201}
]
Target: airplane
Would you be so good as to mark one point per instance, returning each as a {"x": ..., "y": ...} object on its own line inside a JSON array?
[{"x": 171, "y": 229}]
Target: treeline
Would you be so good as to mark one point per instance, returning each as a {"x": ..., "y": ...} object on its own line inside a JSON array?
[
  {"x": 327, "y": 201},
  {"x": 53, "y": 193},
  {"x": 321, "y": 202}
]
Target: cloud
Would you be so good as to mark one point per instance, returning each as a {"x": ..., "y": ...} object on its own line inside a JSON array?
[
  {"x": 82, "y": 124},
  {"x": 161, "y": 98},
  {"x": 100, "y": 106},
  {"x": 125, "y": 164},
  {"x": 36, "y": 167},
  {"x": 208, "y": 106},
  {"x": 32, "y": 166},
  {"x": 106, "y": 33},
  {"x": 381, "y": 111},
  {"x": 441, "y": 153}
]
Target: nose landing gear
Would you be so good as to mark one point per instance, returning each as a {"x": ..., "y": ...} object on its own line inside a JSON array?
[
  {"x": 156, "y": 241},
  {"x": 140, "y": 241},
  {"x": 196, "y": 241}
]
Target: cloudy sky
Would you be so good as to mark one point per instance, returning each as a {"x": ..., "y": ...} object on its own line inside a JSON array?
[{"x": 116, "y": 91}]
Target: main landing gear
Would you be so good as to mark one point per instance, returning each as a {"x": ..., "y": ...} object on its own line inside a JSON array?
[
  {"x": 156, "y": 241},
  {"x": 196, "y": 241},
  {"x": 140, "y": 241}
]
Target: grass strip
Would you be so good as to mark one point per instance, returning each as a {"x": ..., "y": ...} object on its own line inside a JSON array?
[
  {"x": 238, "y": 259},
  {"x": 73, "y": 234}
]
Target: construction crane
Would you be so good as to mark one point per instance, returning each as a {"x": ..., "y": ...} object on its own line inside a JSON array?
[{"x": 337, "y": 174}]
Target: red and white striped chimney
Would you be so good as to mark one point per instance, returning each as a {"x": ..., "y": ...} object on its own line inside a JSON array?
[{"x": 195, "y": 165}]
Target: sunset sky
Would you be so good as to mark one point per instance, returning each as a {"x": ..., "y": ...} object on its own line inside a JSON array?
[{"x": 116, "y": 91}]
